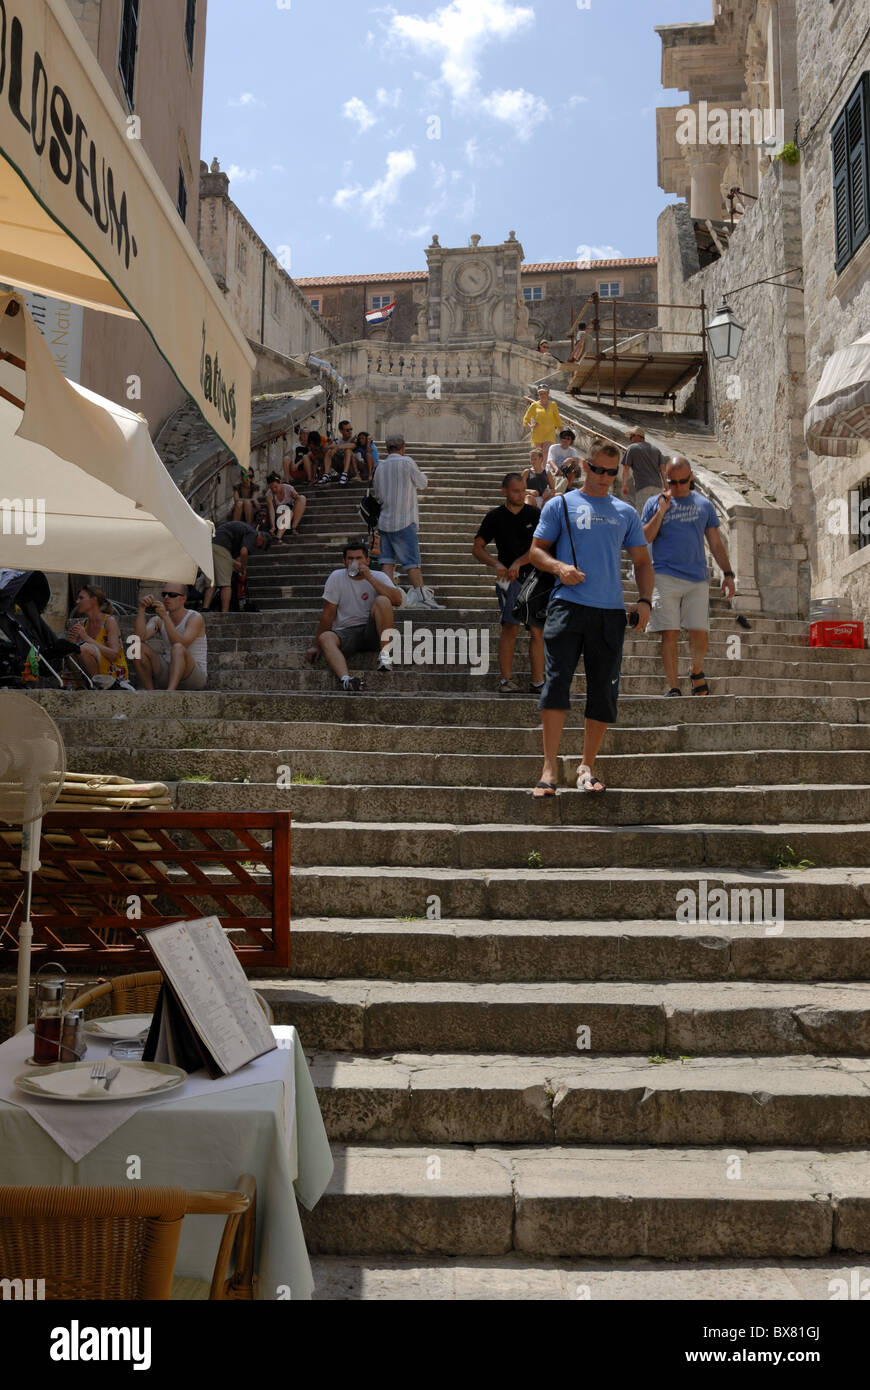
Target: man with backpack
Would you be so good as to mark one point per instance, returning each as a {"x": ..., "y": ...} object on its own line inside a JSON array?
[
  {"x": 511, "y": 527},
  {"x": 586, "y": 613}
]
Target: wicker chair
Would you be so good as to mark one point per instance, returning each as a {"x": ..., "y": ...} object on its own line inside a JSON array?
[
  {"x": 108, "y": 1243},
  {"x": 137, "y": 994}
]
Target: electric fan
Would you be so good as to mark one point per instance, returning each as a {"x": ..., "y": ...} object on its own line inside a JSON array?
[{"x": 32, "y": 767}]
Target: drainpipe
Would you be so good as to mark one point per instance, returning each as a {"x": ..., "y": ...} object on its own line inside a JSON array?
[{"x": 263, "y": 303}]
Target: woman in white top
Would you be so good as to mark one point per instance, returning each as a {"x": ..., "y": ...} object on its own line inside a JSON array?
[{"x": 178, "y": 660}]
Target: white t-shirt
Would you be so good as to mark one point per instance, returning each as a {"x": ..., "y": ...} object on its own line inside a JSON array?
[
  {"x": 352, "y": 597},
  {"x": 558, "y": 455}
]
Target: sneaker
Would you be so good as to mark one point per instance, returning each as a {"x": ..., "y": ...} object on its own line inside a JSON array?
[
  {"x": 385, "y": 662},
  {"x": 426, "y": 599},
  {"x": 342, "y": 482},
  {"x": 412, "y": 599},
  {"x": 508, "y": 686},
  {"x": 351, "y": 684},
  {"x": 536, "y": 689},
  {"x": 327, "y": 478}
]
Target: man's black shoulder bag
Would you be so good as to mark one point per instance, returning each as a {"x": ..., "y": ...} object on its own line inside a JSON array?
[{"x": 534, "y": 595}]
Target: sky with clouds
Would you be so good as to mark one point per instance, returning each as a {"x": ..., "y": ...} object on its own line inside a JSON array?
[{"x": 352, "y": 131}]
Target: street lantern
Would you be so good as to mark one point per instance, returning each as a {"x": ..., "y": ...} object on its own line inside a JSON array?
[{"x": 724, "y": 334}]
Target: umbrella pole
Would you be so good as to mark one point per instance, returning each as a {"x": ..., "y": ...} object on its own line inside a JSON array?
[{"x": 25, "y": 939}]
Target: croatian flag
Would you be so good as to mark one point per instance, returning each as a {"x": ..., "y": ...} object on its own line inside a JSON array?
[{"x": 381, "y": 315}]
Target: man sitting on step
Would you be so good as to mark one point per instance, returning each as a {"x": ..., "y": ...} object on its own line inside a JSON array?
[
  {"x": 512, "y": 526},
  {"x": 677, "y": 523},
  {"x": 357, "y": 612}
]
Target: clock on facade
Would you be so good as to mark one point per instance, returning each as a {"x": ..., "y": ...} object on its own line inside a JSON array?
[{"x": 473, "y": 278}]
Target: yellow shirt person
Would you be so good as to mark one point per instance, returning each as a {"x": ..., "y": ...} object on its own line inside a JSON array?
[{"x": 545, "y": 420}]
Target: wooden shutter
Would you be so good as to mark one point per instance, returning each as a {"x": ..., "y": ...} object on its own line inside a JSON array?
[
  {"x": 856, "y": 131},
  {"x": 840, "y": 163}
]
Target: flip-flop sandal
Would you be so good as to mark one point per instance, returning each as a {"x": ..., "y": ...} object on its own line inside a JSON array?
[
  {"x": 551, "y": 791},
  {"x": 588, "y": 782},
  {"x": 699, "y": 689},
  {"x": 675, "y": 690}
]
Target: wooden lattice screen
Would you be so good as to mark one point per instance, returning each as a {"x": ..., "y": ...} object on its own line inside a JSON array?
[{"x": 177, "y": 865}]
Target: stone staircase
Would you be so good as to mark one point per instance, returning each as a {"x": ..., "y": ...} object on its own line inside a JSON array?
[{"x": 538, "y": 1076}]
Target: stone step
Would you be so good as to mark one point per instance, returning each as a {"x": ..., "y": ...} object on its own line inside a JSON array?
[
  {"x": 521, "y": 894},
  {"x": 389, "y": 705},
  {"x": 257, "y": 679},
  {"x": 84, "y": 735},
  {"x": 415, "y": 1098},
  {"x": 454, "y": 810},
  {"x": 560, "y": 1202},
  {"x": 699, "y": 1018},
  {"x": 654, "y": 771},
  {"x": 517, "y": 1277},
  {"x": 501, "y": 952}
]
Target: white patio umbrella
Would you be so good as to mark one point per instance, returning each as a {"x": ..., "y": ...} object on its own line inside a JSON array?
[
  {"x": 82, "y": 489},
  {"x": 838, "y": 420}
]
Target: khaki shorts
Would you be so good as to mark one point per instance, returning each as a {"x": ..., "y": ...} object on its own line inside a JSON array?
[
  {"x": 223, "y": 566},
  {"x": 680, "y": 603},
  {"x": 195, "y": 681}
]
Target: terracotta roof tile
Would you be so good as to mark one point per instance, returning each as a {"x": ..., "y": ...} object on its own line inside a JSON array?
[{"x": 311, "y": 282}]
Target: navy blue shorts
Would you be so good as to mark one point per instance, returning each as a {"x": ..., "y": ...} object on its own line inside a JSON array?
[{"x": 573, "y": 630}]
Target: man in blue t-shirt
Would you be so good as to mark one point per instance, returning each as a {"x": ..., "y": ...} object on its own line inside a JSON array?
[
  {"x": 586, "y": 613},
  {"x": 677, "y": 523}
]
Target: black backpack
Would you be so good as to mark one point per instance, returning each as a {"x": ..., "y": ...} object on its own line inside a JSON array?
[{"x": 370, "y": 510}]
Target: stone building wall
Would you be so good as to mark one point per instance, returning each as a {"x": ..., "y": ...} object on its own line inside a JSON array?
[
  {"x": 266, "y": 302},
  {"x": 345, "y": 302},
  {"x": 831, "y": 57}
]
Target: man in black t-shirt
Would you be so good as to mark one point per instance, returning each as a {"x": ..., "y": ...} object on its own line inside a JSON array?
[
  {"x": 511, "y": 527},
  {"x": 231, "y": 544}
]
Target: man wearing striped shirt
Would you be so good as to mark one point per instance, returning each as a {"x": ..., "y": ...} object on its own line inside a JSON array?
[{"x": 396, "y": 483}]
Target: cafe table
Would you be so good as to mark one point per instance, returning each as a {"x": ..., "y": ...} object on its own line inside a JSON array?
[{"x": 263, "y": 1120}]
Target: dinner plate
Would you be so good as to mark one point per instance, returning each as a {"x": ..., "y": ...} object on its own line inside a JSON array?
[
  {"x": 72, "y": 1081},
  {"x": 118, "y": 1026}
]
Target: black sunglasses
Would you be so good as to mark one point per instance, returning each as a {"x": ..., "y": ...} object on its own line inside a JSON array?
[
  {"x": 679, "y": 481},
  {"x": 171, "y": 593},
  {"x": 609, "y": 472}
]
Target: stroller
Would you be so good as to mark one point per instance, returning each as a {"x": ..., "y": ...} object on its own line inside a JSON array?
[{"x": 27, "y": 643}]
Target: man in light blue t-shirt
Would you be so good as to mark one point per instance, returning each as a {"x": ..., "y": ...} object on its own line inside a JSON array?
[
  {"x": 586, "y": 612},
  {"x": 677, "y": 524}
]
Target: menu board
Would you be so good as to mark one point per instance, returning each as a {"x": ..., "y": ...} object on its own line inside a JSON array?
[{"x": 207, "y": 1014}]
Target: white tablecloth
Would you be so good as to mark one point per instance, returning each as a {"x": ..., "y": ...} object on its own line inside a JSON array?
[{"x": 204, "y": 1140}]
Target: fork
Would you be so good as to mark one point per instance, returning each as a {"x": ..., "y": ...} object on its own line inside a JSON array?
[
  {"x": 98, "y": 1071},
  {"x": 110, "y": 1076}
]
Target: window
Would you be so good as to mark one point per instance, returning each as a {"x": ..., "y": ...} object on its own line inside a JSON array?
[
  {"x": 181, "y": 201},
  {"x": 276, "y": 299},
  {"x": 242, "y": 257},
  {"x": 610, "y": 289},
  {"x": 533, "y": 294},
  {"x": 190, "y": 28},
  {"x": 129, "y": 44},
  {"x": 315, "y": 304},
  {"x": 851, "y": 174},
  {"x": 381, "y": 301}
]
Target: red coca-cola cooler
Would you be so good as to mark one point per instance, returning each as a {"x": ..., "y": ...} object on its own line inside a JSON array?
[{"x": 837, "y": 632}]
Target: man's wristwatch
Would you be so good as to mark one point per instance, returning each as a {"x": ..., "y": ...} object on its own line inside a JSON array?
[
  {"x": 728, "y": 574},
  {"x": 646, "y": 601}
]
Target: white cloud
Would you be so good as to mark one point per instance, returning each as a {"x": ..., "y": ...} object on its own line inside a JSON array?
[
  {"x": 385, "y": 98},
  {"x": 598, "y": 253},
  {"x": 242, "y": 175},
  {"x": 519, "y": 109},
  {"x": 356, "y": 110},
  {"x": 576, "y": 101},
  {"x": 385, "y": 192},
  {"x": 456, "y": 36},
  {"x": 246, "y": 99}
]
